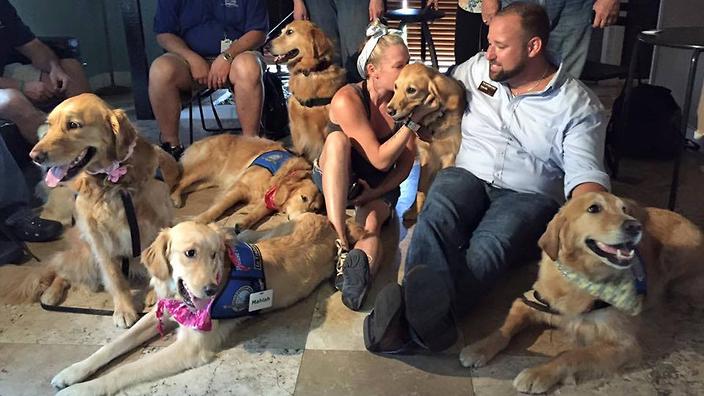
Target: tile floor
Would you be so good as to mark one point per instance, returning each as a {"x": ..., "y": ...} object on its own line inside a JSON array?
[{"x": 315, "y": 347}]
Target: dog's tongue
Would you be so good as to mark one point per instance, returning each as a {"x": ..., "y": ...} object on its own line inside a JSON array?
[
  {"x": 278, "y": 58},
  {"x": 55, "y": 175},
  {"x": 621, "y": 254}
]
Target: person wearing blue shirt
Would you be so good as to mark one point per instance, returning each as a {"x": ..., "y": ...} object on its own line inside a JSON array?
[
  {"x": 532, "y": 136},
  {"x": 208, "y": 43}
]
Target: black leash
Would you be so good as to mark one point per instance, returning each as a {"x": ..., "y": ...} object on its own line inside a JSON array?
[{"x": 131, "y": 216}]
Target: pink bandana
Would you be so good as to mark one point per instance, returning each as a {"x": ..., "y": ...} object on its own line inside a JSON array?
[{"x": 184, "y": 315}]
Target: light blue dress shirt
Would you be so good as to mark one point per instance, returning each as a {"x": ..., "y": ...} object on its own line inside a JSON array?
[{"x": 545, "y": 142}]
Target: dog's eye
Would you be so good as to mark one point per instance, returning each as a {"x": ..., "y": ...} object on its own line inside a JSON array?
[
  {"x": 594, "y": 209},
  {"x": 289, "y": 32},
  {"x": 190, "y": 253},
  {"x": 624, "y": 209},
  {"x": 214, "y": 254},
  {"x": 304, "y": 198},
  {"x": 410, "y": 90},
  {"x": 73, "y": 125}
]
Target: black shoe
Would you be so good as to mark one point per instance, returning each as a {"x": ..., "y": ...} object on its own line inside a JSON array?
[
  {"x": 10, "y": 252},
  {"x": 175, "y": 151},
  {"x": 385, "y": 328},
  {"x": 27, "y": 226},
  {"x": 355, "y": 279},
  {"x": 428, "y": 308}
]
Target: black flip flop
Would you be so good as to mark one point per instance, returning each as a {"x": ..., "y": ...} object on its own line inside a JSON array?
[{"x": 428, "y": 308}]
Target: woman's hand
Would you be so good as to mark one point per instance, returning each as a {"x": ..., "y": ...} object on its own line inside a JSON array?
[
  {"x": 300, "y": 13},
  {"x": 376, "y": 9},
  {"x": 489, "y": 10},
  {"x": 368, "y": 194}
]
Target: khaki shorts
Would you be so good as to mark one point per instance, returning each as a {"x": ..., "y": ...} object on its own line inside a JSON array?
[
  {"x": 20, "y": 72},
  {"x": 198, "y": 87}
]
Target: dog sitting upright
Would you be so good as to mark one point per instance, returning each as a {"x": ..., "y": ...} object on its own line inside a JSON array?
[
  {"x": 191, "y": 264},
  {"x": 95, "y": 150},
  {"x": 416, "y": 86},
  {"x": 314, "y": 80},
  {"x": 603, "y": 258}
]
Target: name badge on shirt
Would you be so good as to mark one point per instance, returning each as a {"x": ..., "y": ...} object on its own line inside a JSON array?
[
  {"x": 487, "y": 88},
  {"x": 225, "y": 44}
]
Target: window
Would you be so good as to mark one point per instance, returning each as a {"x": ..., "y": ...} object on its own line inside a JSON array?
[{"x": 442, "y": 30}]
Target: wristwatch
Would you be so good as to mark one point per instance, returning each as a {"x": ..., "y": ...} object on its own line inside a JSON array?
[
  {"x": 412, "y": 125},
  {"x": 228, "y": 56}
]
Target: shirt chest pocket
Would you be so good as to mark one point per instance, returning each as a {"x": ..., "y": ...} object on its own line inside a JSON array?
[{"x": 534, "y": 136}]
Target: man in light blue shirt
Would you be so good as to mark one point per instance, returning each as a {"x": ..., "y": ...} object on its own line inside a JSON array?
[{"x": 531, "y": 137}]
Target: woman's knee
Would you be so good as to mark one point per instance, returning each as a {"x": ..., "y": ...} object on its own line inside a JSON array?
[{"x": 246, "y": 69}]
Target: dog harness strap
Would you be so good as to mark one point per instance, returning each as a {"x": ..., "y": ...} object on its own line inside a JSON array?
[
  {"x": 272, "y": 160},
  {"x": 131, "y": 221},
  {"x": 314, "y": 102},
  {"x": 246, "y": 277}
]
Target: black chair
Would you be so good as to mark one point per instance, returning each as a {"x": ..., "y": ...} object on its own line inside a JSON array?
[{"x": 423, "y": 15}]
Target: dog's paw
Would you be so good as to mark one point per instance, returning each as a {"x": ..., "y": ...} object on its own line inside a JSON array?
[
  {"x": 475, "y": 355},
  {"x": 82, "y": 389},
  {"x": 536, "y": 380},
  {"x": 69, "y": 376},
  {"x": 124, "y": 317},
  {"x": 151, "y": 298},
  {"x": 177, "y": 200}
]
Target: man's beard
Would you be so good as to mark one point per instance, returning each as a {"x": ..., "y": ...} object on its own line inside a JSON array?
[{"x": 504, "y": 74}]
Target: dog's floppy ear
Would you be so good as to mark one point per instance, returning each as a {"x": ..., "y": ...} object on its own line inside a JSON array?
[
  {"x": 155, "y": 256},
  {"x": 125, "y": 134},
  {"x": 634, "y": 209},
  {"x": 550, "y": 240},
  {"x": 322, "y": 46}
]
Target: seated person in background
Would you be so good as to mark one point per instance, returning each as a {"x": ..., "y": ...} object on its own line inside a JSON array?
[
  {"x": 365, "y": 147},
  {"x": 17, "y": 217},
  {"x": 531, "y": 137},
  {"x": 208, "y": 43},
  {"x": 23, "y": 87}
]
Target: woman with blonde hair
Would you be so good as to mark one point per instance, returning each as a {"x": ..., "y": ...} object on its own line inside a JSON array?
[{"x": 365, "y": 158}]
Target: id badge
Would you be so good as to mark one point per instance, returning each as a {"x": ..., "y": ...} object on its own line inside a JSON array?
[{"x": 225, "y": 44}]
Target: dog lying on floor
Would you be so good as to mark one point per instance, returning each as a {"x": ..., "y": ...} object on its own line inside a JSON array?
[
  {"x": 314, "y": 80},
  {"x": 96, "y": 151},
  {"x": 253, "y": 170},
  {"x": 190, "y": 262},
  {"x": 600, "y": 253},
  {"x": 416, "y": 86}
]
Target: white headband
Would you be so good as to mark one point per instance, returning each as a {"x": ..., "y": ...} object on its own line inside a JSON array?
[{"x": 375, "y": 31}]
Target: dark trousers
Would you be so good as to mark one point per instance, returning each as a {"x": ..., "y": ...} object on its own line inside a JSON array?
[
  {"x": 470, "y": 35},
  {"x": 471, "y": 232}
]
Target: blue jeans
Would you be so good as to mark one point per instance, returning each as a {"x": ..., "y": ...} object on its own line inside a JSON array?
[
  {"x": 345, "y": 23},
  {"x": 570, "y": 30},
  {"x": 471, "y": 233},
  {"x": 14, "y": 193}
]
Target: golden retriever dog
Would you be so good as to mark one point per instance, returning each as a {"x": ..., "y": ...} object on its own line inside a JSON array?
[
  {"x": 95, "y": 150},
  {"x": 419, "y": 85},
  {"x": 314, "y": 80},
  {"x": 225, "y": 161},
  {"x": 189, "y": 262},
  {"x": 594, "y": 251}
]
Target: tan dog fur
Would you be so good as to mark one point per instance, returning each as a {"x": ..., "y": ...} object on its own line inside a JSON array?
[
  {"x": 297, "y": 257},
  {"x": 101, "y": 236},
  {"x": 415, "y": 85},
  {"x": 671, "y": 248},
  {"x": 224, "y": 161},
  {"x": 312, "y": 76}
]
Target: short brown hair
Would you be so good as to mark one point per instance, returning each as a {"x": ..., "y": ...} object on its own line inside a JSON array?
[{"x": 534, "y": 19}]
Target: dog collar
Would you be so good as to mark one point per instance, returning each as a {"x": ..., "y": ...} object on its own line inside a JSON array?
[
  {"x": 314, "y": 102},
  {"x": 116, "y": 169},
  {"x": 621, "y": 292},
  {"x": 317, "y": 68},
  {"x": 269, "y": 199}
]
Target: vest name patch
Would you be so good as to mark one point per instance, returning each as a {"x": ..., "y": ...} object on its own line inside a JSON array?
[{"x": 261, "y": 300}]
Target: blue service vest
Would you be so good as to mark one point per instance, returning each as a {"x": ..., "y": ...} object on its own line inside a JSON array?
[
  {"x": 246, "y": 276},
  {"x": 272, "y": 160}
]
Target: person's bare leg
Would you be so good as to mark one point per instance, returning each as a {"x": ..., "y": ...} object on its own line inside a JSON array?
[
  {"x": 246, "y": 79},
  {"x": 79, "y": 83},
  {"x": 372, "y": 216},
  {"x": 14, "y": 106},
  {"x": 169, "y": 75},
  {"x": 336, "y": 176}
]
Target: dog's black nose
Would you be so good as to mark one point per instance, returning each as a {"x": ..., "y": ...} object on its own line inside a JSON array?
[
  {"x": 391, "y": 111},
  {"x": 38, "y": 156},
  {"x": 210, "y": 289},
  {"x": 632, "y": 227}
]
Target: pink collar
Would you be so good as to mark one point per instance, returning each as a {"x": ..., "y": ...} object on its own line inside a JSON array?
[
  {"x": 184, "y": 315},
  {"x": 116, "y": 170}
]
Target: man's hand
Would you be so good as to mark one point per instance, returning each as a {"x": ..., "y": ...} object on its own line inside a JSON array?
[
  {"x": 59, "y": 80},
  {"x": 368, "y": 194},
  {"x": 606, "y": 13},
  {"x": 489, "y": 10},
  {"x": 219, "y": 73},
  {"x": 37, "y": 91},
  {"x": 300, "y": 13},
  {"x": 432, "y": 4},
  {"x": 430, "y": 104},
  {"x": 199, "y": 69},
  {"x": 376, "y": 9}
]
